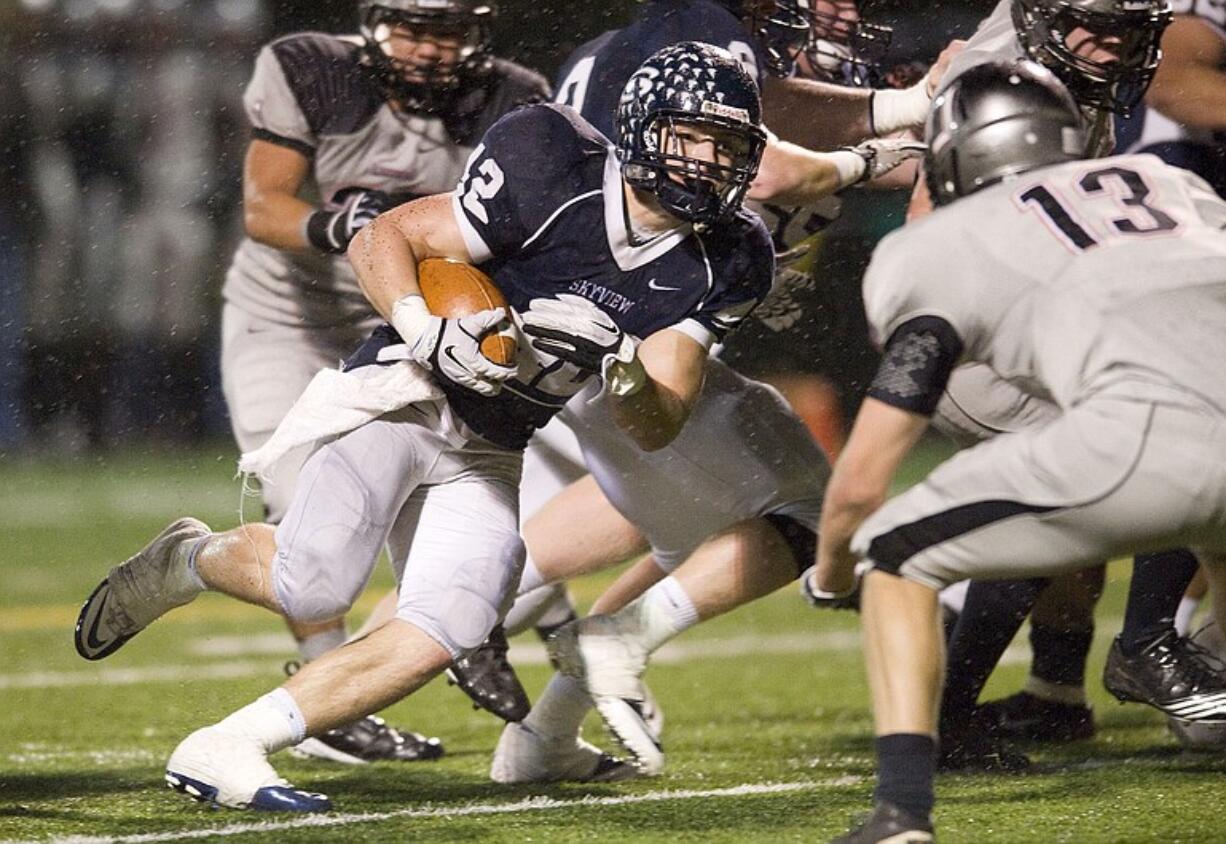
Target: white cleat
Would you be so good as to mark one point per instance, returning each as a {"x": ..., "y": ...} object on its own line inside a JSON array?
[
  {"x": 226, "y": 768},
  {"x": 137, "y": 592},
  {"x": 524, "y": 755},
  {"x": 610, "y": 664}
]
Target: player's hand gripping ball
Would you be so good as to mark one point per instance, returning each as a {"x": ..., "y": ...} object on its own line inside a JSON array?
[{"x": 453, "y": 289}]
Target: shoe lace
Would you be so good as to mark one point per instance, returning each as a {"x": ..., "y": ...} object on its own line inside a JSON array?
[{"x": 1195, "y": 665}]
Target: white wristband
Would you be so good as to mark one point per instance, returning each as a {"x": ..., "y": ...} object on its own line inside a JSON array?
[
  {"x": 850, "y": 166},
  {"x": 410, "y": 317},
  {"x": 892, "y": 111}
]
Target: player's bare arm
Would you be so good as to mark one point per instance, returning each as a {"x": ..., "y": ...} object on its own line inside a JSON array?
[
  {"x": 385, "y": 254},
  {"x": 273, "y": 213},
  {"x": 654, "y": 414},
  {"x": 881, "y": 437},
  {"x": 848, "y": 115},
  {"x": 1190, "y": 86}
]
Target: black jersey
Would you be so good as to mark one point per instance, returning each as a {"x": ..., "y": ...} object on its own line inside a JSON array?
[
  {"x": 593, "y": 76},
  {"x": 542, "y": 210}
]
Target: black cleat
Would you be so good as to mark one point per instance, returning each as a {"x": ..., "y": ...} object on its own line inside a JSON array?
[
  {"x": 488, "y": 679},
  {"x": 889, "y": 824},
  {"x": 1172, "y": 674},
  {"x": 973, "y": 745},
  {"x": 369, "y": 739},
  {"x": 1027, "y": 717}
]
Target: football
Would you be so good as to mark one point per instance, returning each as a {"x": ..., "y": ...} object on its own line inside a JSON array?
[{"x": 454, "y": 289}]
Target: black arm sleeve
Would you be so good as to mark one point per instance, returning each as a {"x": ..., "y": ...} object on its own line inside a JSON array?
[{"x": 920, "y": 355}]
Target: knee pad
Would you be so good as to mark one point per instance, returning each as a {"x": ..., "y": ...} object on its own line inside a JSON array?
[{"x": 457, "y": 603}]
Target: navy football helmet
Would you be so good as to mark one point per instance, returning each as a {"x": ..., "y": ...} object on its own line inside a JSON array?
[
  {"x": 1127, "y": 33},
  {"x": 691, "y": 85},
  {"x": 431, "y": 89},
  {"x": 996, "y": 121},
  {"x": 841, "y": 47}
]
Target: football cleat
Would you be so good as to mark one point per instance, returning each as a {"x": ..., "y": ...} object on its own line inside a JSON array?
[
  {"x": 489, "y": 680},
  {"x": 889, "y": 824},
  {"x": 973, "y": 745},
  {"x": 225, "y": 768},
  {"x": 1172, "y": 674},
  {"x": 596, "y": 652},
  {"x": 137, "y": 592},
  {"x": 524, "y": 755},
  {"x": 369, "y": 739},
  {"x": 1205, "y": 736},
  {"x": 1027, "y": 717}
]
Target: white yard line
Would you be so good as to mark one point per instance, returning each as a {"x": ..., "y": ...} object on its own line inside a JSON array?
[
  {"x": 682, "y": 650},
  {"x": 530, "y": 804}
]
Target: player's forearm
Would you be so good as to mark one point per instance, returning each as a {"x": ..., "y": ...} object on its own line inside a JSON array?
[
  {"x": 816, "y": 115},
  {"x": 846, "y": 507},
  {"x": 791, "y": 175},
  {"x": 652, "y": 417},
  {"x": 1194, "y": 95},
  {"x": 385, "y": 263},
  {"x": 277, "y": 220}
]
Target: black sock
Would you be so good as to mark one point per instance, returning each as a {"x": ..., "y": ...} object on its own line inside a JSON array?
[
  {"x": 1158, "y": 584},
  {"x": 906, "y": 763},
  {"x": 1060, "y": 655},
  {"x": 991, "y": 616}
]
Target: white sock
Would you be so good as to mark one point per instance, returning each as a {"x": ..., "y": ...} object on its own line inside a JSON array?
[
  {"x": 559, "y": 611},
  {"x": 186, "y": 578},
  {"x": 662, "y": 613},
  {"x": 560, "y": 710},
  {"x": 531, "y": 608},
  {"x": 318, "y": 644},
  {"x": 531, "y": 578},
  {"x": 274, "y": 720},
  {"x": 1183, "y": 615},
  {"x": 1055, "y": 692}
]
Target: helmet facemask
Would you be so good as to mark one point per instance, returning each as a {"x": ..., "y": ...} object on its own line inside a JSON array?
[
  {"x": 458, "y": 27},
  {"x": 840, "y": 47},
  {"x": 782, "y": 29},
  {"x": 693, "y": 187},
  {"x": 1106, "y": 57}
]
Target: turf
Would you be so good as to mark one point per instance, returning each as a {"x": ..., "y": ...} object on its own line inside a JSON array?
[{"x": 771, "y": 697}]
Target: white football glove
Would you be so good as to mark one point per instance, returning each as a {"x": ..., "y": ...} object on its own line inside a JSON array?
[
  {"x": 874, "y": 158},
  {"x": 452, "y": 349},
  {"x": 821, "y": 599},
  {"x": 575, "y": 330}
]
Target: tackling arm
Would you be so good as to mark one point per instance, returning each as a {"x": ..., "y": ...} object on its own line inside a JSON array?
[
  {"x": 880, "y": 439},
  {"x": 1190, "y": 86}
]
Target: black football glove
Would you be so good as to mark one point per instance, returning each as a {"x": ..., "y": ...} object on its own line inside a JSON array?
[{"x": 330, "y": 229}]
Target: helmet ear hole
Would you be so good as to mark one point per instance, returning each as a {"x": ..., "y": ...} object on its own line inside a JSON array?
[{"x": 705, "y": 93}]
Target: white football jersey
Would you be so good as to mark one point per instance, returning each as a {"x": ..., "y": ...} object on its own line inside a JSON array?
[{"x": 1086, "y": 278}]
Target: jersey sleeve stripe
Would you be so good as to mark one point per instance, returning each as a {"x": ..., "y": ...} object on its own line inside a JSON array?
[
  {"x": 478, "y": 250},
  {"x": 545, "y": 225},
  {"x": 282, "y": 141}
]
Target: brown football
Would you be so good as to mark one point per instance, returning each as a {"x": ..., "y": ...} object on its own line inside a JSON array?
[{"x": 454, "y": 289}]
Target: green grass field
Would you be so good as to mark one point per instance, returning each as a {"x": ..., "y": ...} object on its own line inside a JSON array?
[{"x": 768, "y": 733}]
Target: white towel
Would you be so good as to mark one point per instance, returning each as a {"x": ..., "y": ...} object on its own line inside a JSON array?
[{"x": 336, "y": 402}]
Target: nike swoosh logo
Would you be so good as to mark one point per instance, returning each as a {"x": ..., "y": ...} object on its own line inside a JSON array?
[
  {"x": 450, "y": 353},
  {"x": 654, "y": 285}
]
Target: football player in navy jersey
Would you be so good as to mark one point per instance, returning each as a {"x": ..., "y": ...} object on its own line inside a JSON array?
[
  {"x": 361, "y": 119},
  {"x": 594, "y": 246}
]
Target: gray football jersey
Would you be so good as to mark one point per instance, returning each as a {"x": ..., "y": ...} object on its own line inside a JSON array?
[
  {"x": 1083, "y": 279},
  {"x": 310, "y": 93},
  {"x": 996, "y": 41}
]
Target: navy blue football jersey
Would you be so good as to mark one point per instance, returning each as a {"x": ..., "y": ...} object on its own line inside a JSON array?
[
  {"x": 593, "y": 76},
  {"x": 542, "y": 211}
]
